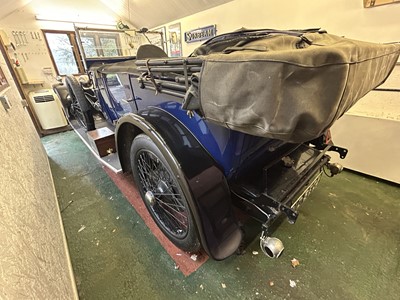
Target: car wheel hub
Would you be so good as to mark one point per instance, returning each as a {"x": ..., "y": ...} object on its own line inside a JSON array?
[
  {"x": 162, "y": 187},
  {"x": 150, "y": 198}
]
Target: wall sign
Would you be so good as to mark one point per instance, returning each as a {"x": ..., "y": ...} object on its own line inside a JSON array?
[{"x": 200, "y": 34}]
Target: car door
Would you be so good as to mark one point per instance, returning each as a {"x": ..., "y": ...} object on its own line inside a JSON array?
[{"x": 120, "y": 93}]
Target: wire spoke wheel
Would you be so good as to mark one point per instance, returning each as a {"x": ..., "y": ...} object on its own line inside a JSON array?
[
  {"x": 162, "y": 194},
  {"x": 77, "y": 112}
]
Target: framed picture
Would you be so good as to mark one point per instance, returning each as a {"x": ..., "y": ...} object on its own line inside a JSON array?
[
  {"x": 175, "y": 40},
  {"x": 160, "y": 40},
  {"x": 373, "y": 3},
  {"x": 3, "y": 81}
]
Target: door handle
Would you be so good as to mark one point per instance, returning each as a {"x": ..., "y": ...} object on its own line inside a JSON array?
[{"x": 127, "y": 100}]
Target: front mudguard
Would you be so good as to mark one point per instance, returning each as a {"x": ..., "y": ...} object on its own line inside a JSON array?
[{"x": 203, "y": 183}]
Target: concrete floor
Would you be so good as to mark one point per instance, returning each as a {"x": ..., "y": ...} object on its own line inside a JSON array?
[{"x": 347, "y": 240}]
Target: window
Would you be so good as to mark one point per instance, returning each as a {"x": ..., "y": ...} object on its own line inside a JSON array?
[
  {"x": 89, "y": 46},
  {"x": 100, "y": 44},
  {"x": 64, "y": 52},
  {"x": 66, "y": 55},
  {"x": 109, "y": 46}
]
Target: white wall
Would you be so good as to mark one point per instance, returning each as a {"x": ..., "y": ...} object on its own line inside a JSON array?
[
  {"x": 342, "y": 17},
  {"x": 34, "y": 259},
  {"x": 23, "y": 19},
  {"x": 373, "y": 152}
]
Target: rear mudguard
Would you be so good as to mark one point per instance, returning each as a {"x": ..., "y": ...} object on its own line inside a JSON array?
[{"x": 202, "y": 181}]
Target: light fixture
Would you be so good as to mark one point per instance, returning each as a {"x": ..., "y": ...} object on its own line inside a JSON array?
[{"x": 77, "y": 19}]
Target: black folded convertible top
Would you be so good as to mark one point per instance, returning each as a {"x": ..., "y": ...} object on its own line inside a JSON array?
[{"x": 288, "y": 85}]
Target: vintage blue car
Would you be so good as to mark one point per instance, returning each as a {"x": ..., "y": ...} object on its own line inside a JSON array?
[{"x": 193, "y": 156}]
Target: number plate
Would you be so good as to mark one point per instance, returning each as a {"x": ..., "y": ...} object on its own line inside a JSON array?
[{"x": 304, "y": 195}]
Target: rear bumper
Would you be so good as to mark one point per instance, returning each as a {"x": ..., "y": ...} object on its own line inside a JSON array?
[{"x": 283, "y": 187}]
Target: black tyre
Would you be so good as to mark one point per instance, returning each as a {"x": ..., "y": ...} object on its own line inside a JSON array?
[
  {"x": 80, "y": 108},
  {"x": 61, "y": 91},
  {"x": 162, "y": 194}
]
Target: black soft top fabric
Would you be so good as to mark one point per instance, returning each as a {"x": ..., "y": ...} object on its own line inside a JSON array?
[
  {"x": 127, "y": 66},
  {"x": 290, "y": 86}
]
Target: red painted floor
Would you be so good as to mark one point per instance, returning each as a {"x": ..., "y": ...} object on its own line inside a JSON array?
[{"x": 182, "y": 259}]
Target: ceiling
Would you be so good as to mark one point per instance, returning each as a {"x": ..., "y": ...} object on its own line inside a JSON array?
[
  {"x": 151, "y": 13},
  {"x": 140, "y": 13},
  {"x": 9, "y": 6}
]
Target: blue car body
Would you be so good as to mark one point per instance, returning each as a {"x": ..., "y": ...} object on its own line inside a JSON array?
[
  {"x": 232, "y": 150},
  {"x": 215, "y": 165}
]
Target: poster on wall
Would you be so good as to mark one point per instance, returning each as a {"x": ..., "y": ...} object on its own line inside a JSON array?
[
  {"x": 175, "y": 42},
  {"x": 3, "y": 81},
  {"x": 159, "y": 40}
]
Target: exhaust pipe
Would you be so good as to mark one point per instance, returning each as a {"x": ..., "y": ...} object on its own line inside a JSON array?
[
  {"x": 271, "y": 246},
  {"x": 334, "y": 168}
]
